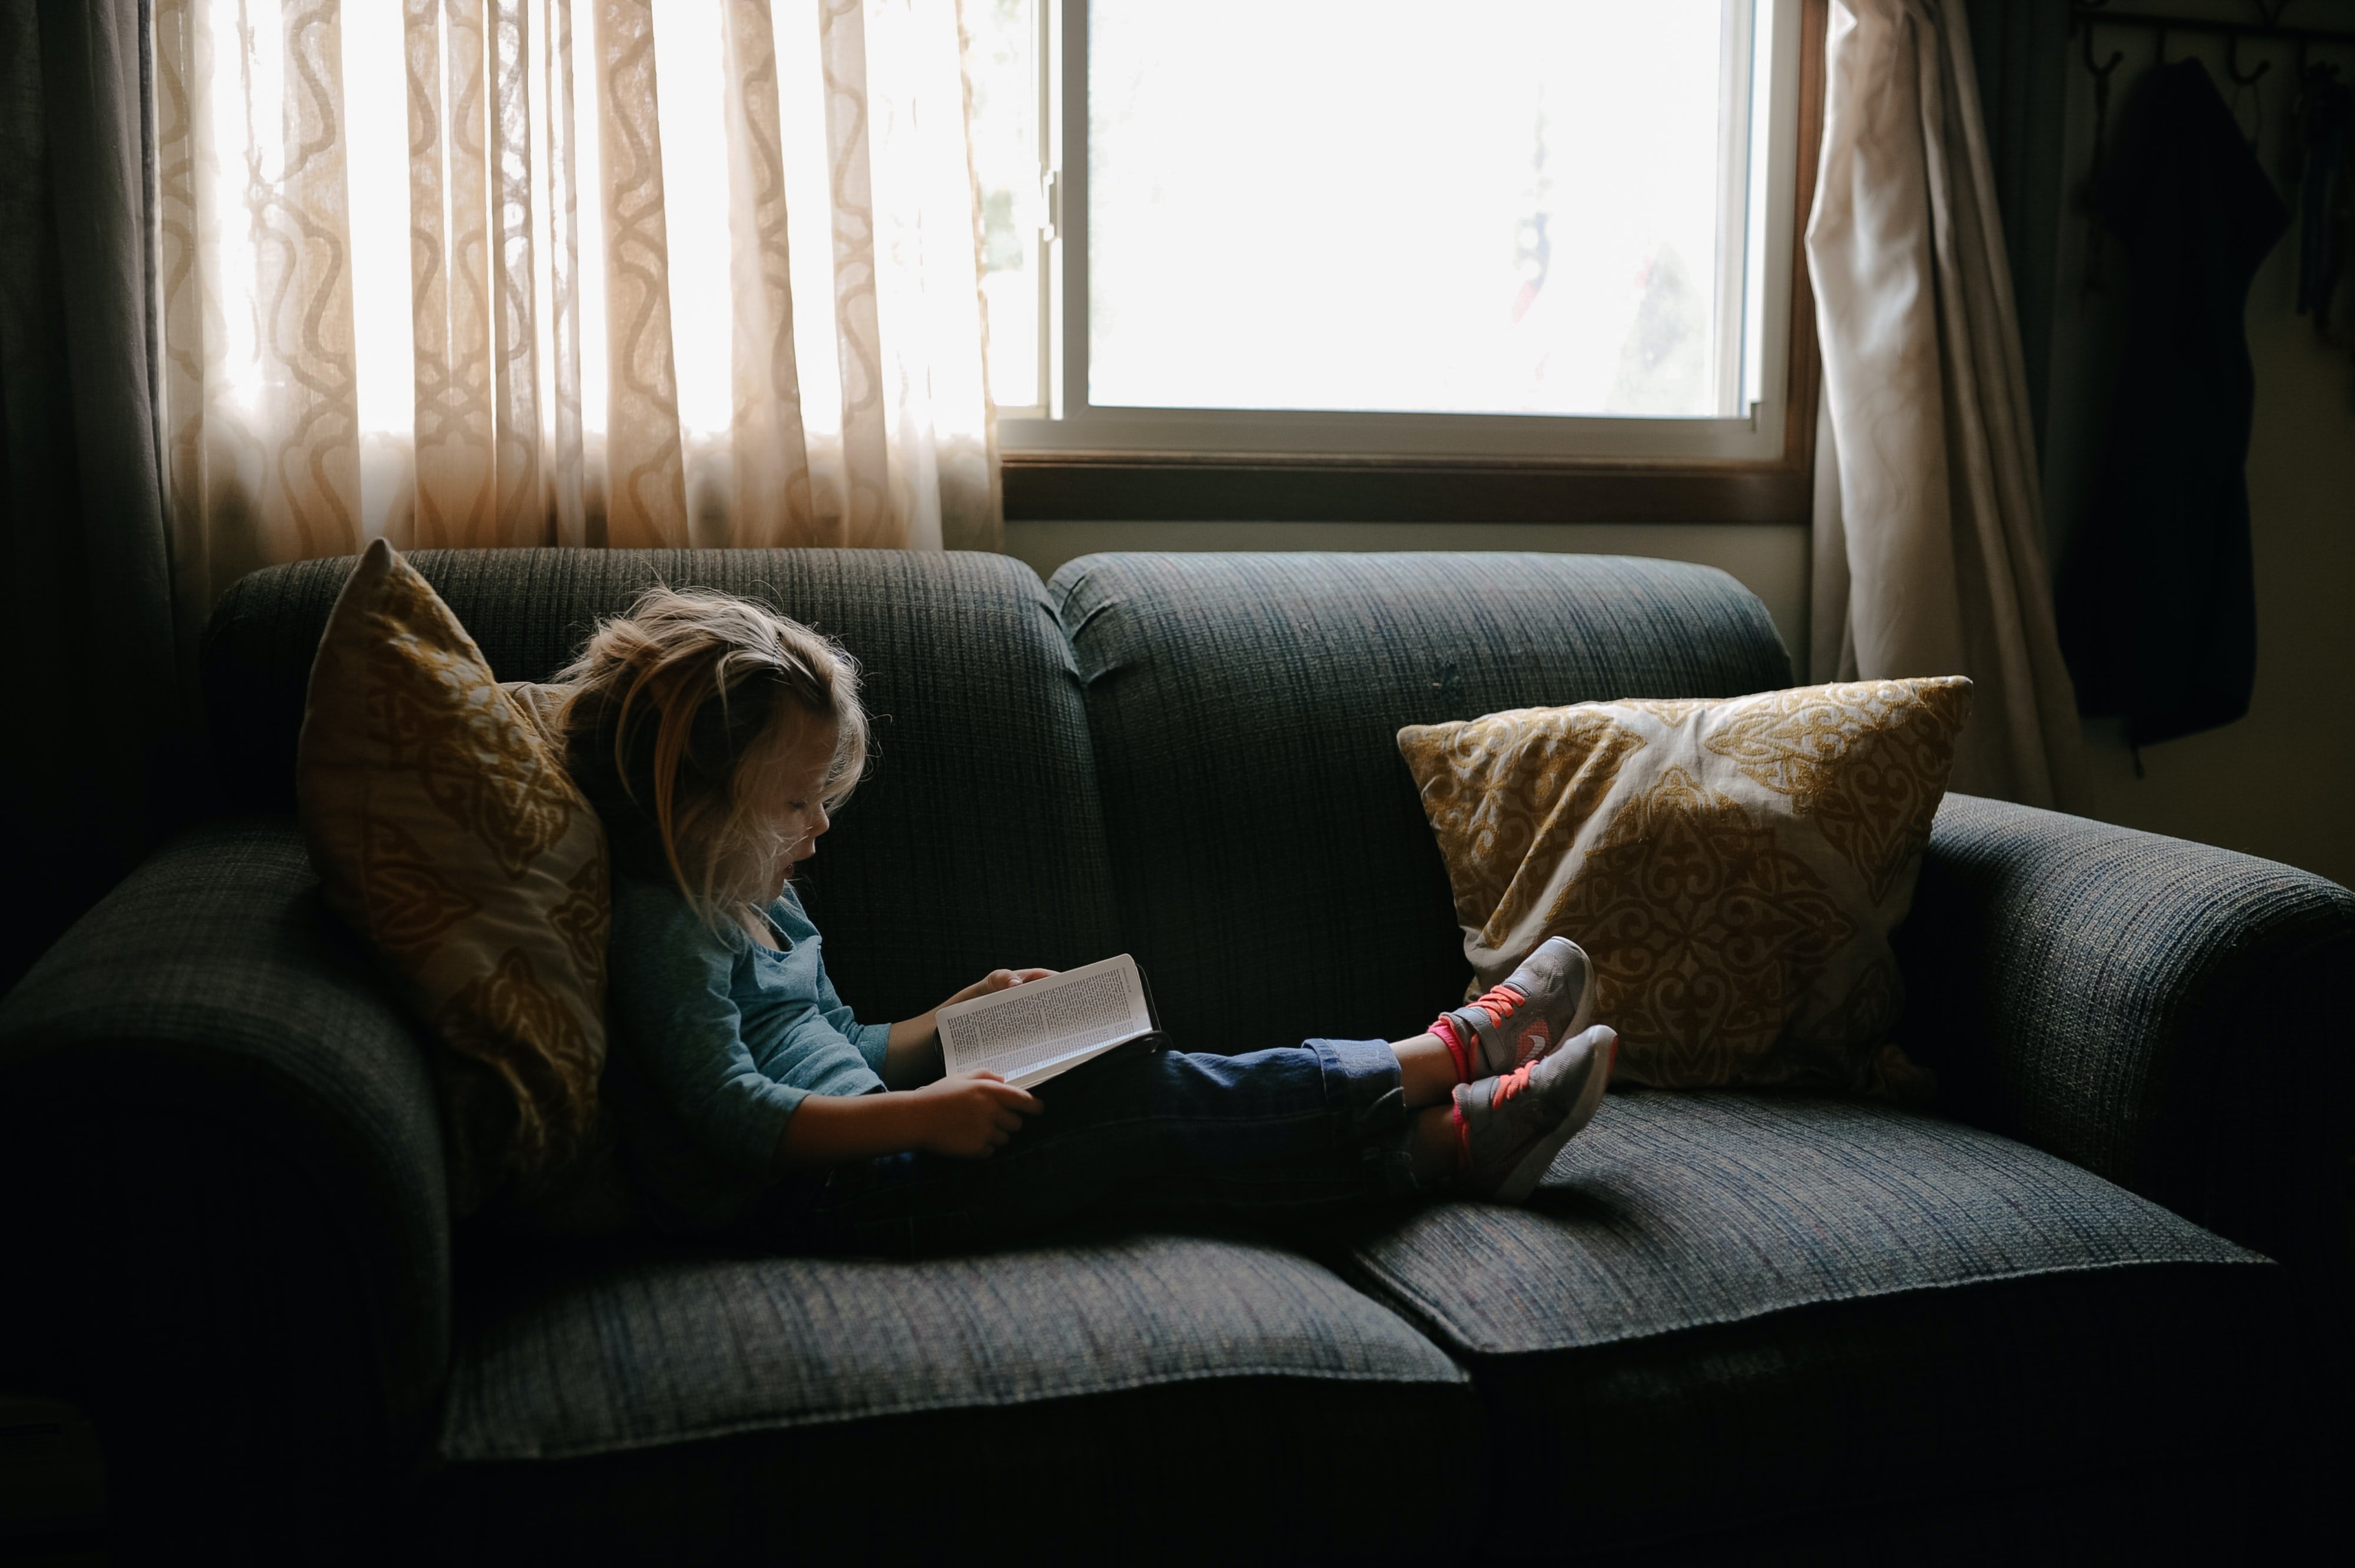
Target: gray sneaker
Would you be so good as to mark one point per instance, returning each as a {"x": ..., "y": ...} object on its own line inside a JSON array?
[
  {"x": 1544, "y": 1002},
  {"x": 1513, "y": 1124}
]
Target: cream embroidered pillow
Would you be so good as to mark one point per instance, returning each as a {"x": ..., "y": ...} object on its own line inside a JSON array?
[
  {"x": 446, "y": 831},
  {"x": 1733, "y": 868}
]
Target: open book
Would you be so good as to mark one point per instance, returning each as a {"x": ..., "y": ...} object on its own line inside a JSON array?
[{"x": 1029, "y": 1033}]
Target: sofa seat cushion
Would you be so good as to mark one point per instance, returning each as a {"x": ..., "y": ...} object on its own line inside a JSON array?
[
  {"x": 1811, "y": 1301},
  {"x": 662, "y": 1348},
  {"x": 1674, "y": 1211},
  {"x": 686, "y": 1402}
]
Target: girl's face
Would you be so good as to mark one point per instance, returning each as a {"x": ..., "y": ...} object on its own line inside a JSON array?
[{"x": 788, "y": 787}]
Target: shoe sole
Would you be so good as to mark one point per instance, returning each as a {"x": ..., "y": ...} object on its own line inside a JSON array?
[
  {"x": 1530, "y": 1169},
  {"x": 1584, "y": 1014}
]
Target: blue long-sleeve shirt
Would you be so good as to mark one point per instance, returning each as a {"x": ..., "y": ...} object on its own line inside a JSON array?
[{"x": 715, "y": 1041}]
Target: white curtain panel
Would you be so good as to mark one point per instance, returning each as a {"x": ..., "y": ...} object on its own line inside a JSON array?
[
  {"x": 626, "y": 272},
  {"x": 1929, "y": 553}
]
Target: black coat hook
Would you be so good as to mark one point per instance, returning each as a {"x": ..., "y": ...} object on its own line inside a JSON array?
[
  {"x": 2233, "y": 63},
  {"x": 2102, "y": 74},
  {"x": 2252, "y": 82}
]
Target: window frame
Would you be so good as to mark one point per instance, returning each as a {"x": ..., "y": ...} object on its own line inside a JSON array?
[{"x": 1187, "y": 464}]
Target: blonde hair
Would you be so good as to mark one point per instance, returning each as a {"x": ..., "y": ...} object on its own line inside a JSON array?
[{"x": 669, "y": 702}]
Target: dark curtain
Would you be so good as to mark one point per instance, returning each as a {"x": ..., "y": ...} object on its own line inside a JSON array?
[
  {"x": 94, "y": 721},
  {"x": 2020, "y": 49}
]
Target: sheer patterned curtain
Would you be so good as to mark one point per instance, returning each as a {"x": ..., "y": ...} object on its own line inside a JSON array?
[
  {"x": 488, "y": 272},
  {"x": 1929, "y": 555}
]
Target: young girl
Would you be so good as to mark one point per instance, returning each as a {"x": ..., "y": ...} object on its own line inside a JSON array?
[{"x": 716, "y": 739}]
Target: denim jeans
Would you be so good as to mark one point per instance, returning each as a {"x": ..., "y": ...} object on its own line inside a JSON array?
[{"x": 1271, "y": 1135}]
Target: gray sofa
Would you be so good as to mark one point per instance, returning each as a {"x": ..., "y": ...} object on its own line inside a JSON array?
[{"x": 2077, "y": 1304}]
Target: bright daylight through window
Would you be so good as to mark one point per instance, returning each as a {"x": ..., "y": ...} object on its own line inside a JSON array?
[{"x": 1240, "y": 219}]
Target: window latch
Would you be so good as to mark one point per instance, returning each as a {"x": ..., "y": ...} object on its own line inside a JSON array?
[{"x": 1051, "y": 200}]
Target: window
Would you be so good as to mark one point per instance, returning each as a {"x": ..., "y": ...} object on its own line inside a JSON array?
[{"x": 1522, "y": 229}]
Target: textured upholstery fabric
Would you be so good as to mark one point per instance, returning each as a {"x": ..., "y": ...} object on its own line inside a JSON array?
[
  {"x": 644, "y": 1351},
  {"x": 1807, "y": 1304},
  {"x": 1275, "y": 1470},
  {"x": 976, "y": 840},
  {"x": 1276, "y": 874},
  {"x": 1176, "y": 1393},
  {"x": 2113, "y": 1415},
  {"x": 2170, "y": 1014},
  {"x": 298, "y": 1162},
  {"x": 1674, "y": 1210}
]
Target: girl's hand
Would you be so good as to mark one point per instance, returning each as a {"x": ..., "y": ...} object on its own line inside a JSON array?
[
  {"x": 996, "y": 980},
  {"x": 912, "y": 1055},
  {"x": 971, "y": 1115}
]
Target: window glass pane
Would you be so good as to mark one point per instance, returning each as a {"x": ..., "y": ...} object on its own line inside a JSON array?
[
  {"x": 1753, "y": 282},
  {"x": 1001, "y": 62},
  {"x": 1500, "y": 207}
]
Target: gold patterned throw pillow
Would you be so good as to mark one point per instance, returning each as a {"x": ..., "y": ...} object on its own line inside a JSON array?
[
  {"x": 444, "y": 829},
  {"x": 1733, "y": 868}
]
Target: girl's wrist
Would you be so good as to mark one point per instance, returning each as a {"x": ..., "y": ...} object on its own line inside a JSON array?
[
  {"x": 922, "y": 1113},
  {"x": 911, "y": 1056}
]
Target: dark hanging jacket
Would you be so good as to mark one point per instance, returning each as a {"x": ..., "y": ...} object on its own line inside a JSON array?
[{"x": 2156, "y": 595}]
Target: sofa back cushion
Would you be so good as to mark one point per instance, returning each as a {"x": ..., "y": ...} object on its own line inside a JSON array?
[
  {"x": 1276, "y": 876},
  {"x": 975, "y": 839}
]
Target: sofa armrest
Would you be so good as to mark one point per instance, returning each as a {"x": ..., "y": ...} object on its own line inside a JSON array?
[
  {"x": 221, "y": 1175},
  {"x": 2170, "y": 1016}
]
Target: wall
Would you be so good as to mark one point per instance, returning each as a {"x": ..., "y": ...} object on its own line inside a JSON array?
[
  {"x": 2275, "y": 783},
  {"x": 1772, "y": 562}
]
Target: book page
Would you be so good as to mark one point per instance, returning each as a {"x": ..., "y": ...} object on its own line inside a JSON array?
[{"x": 1030, "y": 1032}]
